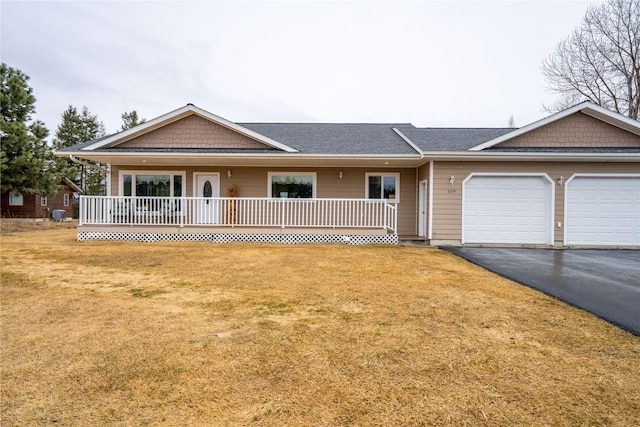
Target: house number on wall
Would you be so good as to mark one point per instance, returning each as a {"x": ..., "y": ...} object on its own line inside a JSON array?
[{"x": 451, "y": 190}]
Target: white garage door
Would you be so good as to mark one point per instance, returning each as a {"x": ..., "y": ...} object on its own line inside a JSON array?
[
  {"x": 507, "y": 209},
  {"x": 603, "y": 210}
]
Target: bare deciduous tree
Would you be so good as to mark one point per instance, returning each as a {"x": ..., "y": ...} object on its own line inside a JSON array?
[{"x": 600, "y": 60}]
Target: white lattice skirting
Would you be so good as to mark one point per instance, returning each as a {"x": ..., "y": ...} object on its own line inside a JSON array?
[{"x": 387, "y": 239}]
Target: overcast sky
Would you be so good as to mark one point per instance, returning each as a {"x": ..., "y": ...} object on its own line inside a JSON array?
[{"x": 438, "y": 64}]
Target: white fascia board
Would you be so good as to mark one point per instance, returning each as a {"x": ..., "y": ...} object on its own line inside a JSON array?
[
  {"x": 612, "y": 118},
  {"x": 435, "y": 155},
  {"x": 178, "y": 114},
  {"x": 290, "y": 159},
  {"x": 588, "y": 108},
  {"x": 532, "y": 156},
  {"x": 414, "y": 160}
]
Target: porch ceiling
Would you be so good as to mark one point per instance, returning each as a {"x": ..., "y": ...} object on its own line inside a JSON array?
[{"x": 275, "y": 160}]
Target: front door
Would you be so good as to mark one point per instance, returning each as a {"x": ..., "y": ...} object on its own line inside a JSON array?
[{"x": 206, "y": 206}]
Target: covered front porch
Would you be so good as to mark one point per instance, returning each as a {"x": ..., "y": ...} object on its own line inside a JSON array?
[{"x": 231, "y": 219}]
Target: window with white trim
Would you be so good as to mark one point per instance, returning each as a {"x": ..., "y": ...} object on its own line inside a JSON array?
[
  {"x": 16, "y": 199},
  {"x": 152, "y": 184},
  {"x": 43, "y": 200},
  {"x": 292, "y": 185},
  {"x": 65, "y": 199},
  {"x": 383, "y": 186}
]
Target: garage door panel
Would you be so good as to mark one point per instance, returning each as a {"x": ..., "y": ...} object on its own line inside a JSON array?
[
  {"x": 603, "y": 210},
  {"x": 507, "y": 209}
]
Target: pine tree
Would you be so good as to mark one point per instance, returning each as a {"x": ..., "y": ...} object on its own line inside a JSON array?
[
  {"x": 26, "y": 160},
  {"x": 130, "y": 120},
  {"x": 76, "y": 128}
]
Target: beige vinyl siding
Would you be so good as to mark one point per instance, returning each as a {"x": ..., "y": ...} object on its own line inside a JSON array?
[
  {"x": 407, "y": 208},
  {"x": 423, "y": 172},
  {"x": 447, "y": 199},
  {"x": 192, "y": 132},
  {"x": 253, "y": 182}
]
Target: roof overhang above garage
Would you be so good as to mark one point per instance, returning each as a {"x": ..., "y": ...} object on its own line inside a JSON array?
[{"x": 540, "y": 156}]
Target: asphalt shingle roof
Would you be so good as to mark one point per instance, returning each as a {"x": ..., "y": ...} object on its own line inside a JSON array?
[
  {"x": 564, "y": 149},
  {"x": 348, "y": 138},
  {"x": 81, "y": 145},
  {"x": 188, "y": 150},
  {"x": 336, "y": 138},
  {"x": 362, "y": 139},
  {"x": 314, "y": 138},
  {"x": 451, "y": 139}
]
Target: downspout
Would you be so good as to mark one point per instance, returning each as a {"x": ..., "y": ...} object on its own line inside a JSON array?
[
  {"x": 82, "y": 162},
  {"x": 430, "y": 221},
  {"x": 417, "y": 198},
  {"x": 417, "y": 184}
]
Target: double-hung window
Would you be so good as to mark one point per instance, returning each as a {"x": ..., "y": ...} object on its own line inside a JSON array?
[
  {"x": 43, "y": 200},
  {"x": 383, "y": 186},
  {"x": 292, "y": 185}
]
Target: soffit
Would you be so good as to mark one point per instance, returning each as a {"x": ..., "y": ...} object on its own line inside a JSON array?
[{"x": 233, "y": 159}]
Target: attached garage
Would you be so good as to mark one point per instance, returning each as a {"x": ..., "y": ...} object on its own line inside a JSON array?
[
  {"x": 514, "y": 209},
  {"x": 602, "y": 210}
]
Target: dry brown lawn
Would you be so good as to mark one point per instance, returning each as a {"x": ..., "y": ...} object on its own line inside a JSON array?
[{"x": 117, "y": 333}]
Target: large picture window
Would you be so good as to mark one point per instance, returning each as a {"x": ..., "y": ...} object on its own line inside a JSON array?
[
  {"x": 152, "y": 184},
  {"x": 294, "y": 185},
  {"x": 383, "y": 186}
]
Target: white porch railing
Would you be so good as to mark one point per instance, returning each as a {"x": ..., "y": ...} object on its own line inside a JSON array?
[{"x": 236, "y": 212}]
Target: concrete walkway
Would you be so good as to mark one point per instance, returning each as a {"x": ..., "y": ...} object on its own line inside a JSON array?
[{"x": 603, "y": 282}]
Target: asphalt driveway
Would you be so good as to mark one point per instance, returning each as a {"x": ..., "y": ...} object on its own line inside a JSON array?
[{"x": 603, "y": 282}]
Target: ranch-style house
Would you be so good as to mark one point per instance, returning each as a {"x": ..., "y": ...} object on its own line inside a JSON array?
[{"x": 569, "y": 180}]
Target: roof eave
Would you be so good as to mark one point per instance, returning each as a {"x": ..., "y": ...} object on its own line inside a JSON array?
[
  {"x": 203, "y": 154},
  {"x": 249, "y": 159},
  {"x": 533, "y": 156},
  {"x": 342, "y": 160}
]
